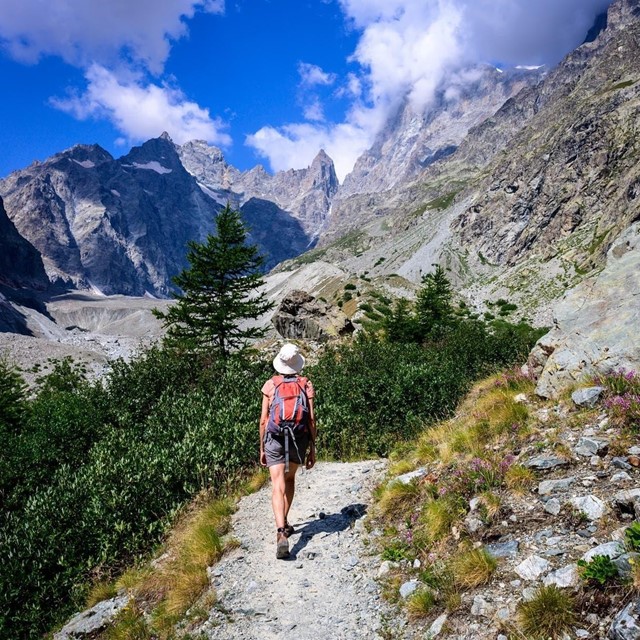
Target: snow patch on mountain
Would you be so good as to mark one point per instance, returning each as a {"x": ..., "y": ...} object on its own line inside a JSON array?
[
  {"x": 153, "y": 165},
  {"x": 87, "y": 164}
]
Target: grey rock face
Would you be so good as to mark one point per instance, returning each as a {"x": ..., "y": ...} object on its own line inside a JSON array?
[
  {"x": 587, "y": 397},
  {"x": 564, "y": 577},
  {"x": 20, "y": 263},
  {"x": 545, "y": 462},
  {"x": 412, "y": 141},
  {"x": 596, "y": 323},
  {"x": 304, "y": 195},
  {"x": 408, "y": 588},
  {"x": 532, "y": 567},
  {"x": 592, "y": 506},
  {"x": 626, "y": 625},
  {"x": 503, "y": 549},
  {"x": 591, "y": 446},
  {"x": 612, "y": 550},
  {"x": 407, "y": 478},
  {"x": 119, "y": 226},
  {"x": 300, "y": 315},
  {"x": 547, "y": 487},
  {"x": 87, "y": 623}
]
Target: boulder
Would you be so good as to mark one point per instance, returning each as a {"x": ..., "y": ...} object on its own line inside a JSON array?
[
  {"x": 301, "y": 316},
  {"x": 626, "y": 625},
  {"x": 595, "y": 324},
  {"x": 87, "y": 624}
]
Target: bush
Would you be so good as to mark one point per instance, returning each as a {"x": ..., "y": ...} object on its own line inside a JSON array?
[
  {"x": 372, "y": 394},
  {"x": 632, "y": 536},
  {"x": 110, "y": 497},
  {"x": 599, "y": 570}
]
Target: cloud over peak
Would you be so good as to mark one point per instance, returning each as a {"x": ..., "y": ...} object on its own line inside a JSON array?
[{"x": 140, "y": 110}]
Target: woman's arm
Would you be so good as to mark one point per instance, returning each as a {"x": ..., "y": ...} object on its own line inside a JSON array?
[
  {"x": 313, "y": 432},
  {"x": 264, "y": 418}
]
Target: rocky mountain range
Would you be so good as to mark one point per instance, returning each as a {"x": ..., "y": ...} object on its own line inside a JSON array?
[
  {"x": 518, "y": 181},
  {"x": 121, "y": 226}
]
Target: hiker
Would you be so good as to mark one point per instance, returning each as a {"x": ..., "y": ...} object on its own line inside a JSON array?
[{"x": 287, "y": 429}]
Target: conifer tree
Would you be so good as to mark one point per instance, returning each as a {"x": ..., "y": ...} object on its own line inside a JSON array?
[
  {"x": 433, "y": 305},
  {"x": 218, "y": 291},
  {"x": 401, "y": 325}
]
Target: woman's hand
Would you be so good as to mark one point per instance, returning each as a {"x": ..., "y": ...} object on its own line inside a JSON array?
[
  {"x": 263, "y": 458},
  {"x": 311, "y": 457}
]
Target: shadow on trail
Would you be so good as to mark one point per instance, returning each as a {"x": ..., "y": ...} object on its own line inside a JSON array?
[{"x": 331, "y": 523}]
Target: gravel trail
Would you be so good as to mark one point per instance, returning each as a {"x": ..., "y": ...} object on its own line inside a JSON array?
[{"x": 326, "y": 589}]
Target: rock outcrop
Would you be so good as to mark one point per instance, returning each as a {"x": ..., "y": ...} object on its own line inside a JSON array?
[
  {"x": 596, "y": 324},
  {"x": 20, "y": 262},
  {"x": 413, "y": 140},
  {"x": 301, "y": 316},
  {"x": 303, "y": 194}
]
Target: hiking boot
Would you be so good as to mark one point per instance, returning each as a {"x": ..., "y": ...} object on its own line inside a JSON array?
[
  {"x": 282, "y": 544},
  {"x": 288, "y": 529}
]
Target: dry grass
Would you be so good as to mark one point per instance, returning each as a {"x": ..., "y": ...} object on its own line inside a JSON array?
[
  {"x": 194, "y": 545},
  {"x": 519, "y": 479},
  {"x": 437, "y": 518},
  {"x": 398, "y": 467},
  {"x": 129, "y": 625},
  {"x": 635, "y": 575},
  {"x": 549, "y": 614},
  {"x": 491, "y": 504},
  {"x": 488, "y": 414},
  {"x": 256, "y": 481},
  {"x": 396, "y": 498},
  {"x": 473, "y": 568},
  {"x": 104, "y": 590},
  {"x": 420, "y": 603},
  {"x": 179, "y": 577}
]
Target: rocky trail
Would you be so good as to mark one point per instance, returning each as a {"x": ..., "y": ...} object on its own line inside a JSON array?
[{"x": 326, "y": 588}]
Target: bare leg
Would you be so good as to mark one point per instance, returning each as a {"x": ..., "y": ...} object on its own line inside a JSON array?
[
  {"x": 289, "y": 487},
  {"x": 278, "y": 495}
]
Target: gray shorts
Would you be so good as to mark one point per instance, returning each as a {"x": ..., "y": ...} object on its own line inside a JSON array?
[{"x": 274, "y": 448}]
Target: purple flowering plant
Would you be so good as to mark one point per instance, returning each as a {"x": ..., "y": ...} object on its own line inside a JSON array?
[
  {"x": 514, "y": 379},
  {"x": 474, "y": 476},
  {"x": 622, "y": 400}
]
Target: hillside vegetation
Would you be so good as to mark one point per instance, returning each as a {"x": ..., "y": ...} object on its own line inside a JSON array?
[{"x": 95, "y": 473}]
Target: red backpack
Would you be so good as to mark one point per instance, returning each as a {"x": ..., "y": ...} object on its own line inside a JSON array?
[{"x": 289, "y": 411}]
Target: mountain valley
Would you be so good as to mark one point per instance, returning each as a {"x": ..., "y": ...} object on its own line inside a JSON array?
[{"x": 517, "y": 181}]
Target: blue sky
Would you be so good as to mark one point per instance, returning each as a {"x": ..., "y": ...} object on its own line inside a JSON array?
[{"x": 268, "y": 81}]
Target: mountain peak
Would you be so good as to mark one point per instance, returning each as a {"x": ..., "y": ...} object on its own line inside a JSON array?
[
  {"x": 322, "y": 156},
  {"x": 88, "y": 155},
  {"x": 165, "y": 136}
]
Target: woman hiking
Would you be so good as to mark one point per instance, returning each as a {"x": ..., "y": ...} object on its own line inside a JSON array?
[{"x": 287, "y": 430}]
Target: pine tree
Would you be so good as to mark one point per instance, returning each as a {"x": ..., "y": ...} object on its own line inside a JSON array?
[
  {"x": 218, "y": 291},
  {"x": 401, "y": 325},
  {"x": 433, "y": 305}
]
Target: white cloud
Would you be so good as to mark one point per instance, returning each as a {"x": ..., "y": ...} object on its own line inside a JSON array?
[
  {"x": 296, "y": 145},
  {"x": 142, "y": 111},
  {"x": 314, "y": 111},
  {"x": 410, "y": 48},
  {"x": 312, "y": 75},
  {"x": 83, "y": 31}
]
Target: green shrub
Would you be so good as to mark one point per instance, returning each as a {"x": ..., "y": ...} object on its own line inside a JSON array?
[
  {"x": 632, "y": 536},
  {"x": 600, "y": 569},
  {"x": 350, "y": 286},
  {"x": 111, "y": 500}
]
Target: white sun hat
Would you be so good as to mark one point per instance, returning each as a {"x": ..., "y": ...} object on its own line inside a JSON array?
[{"x": 289, "y": 360}]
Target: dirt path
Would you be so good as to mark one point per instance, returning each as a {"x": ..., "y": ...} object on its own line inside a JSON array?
[{"x": 326, "y": 589}]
